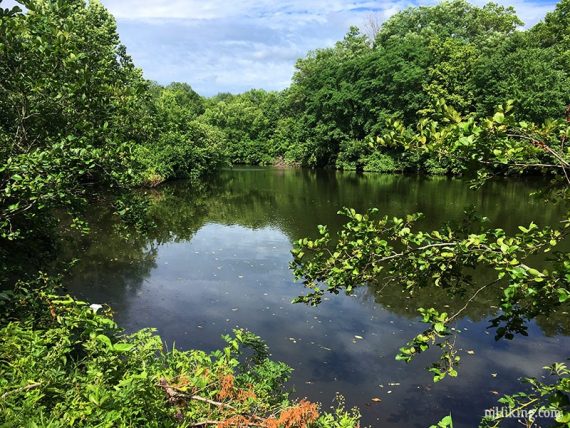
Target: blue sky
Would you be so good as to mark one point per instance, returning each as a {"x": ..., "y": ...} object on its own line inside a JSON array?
[{"x": 234, "y": 45}]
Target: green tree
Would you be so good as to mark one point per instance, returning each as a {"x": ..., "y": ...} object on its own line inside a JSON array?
[
  {"x": 73, "y": 105},
  {"x": 372, "y": 249},
  {"x": 248, "y": 121},
  {"x": 536, "y": 78},
  {"x": 176, "y": 106},
  {"x": 451, "y": 19}
]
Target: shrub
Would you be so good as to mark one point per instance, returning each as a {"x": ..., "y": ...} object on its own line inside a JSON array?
[
  {"x": 65, "y": 363},
  {"x": 181, "y": 155}
]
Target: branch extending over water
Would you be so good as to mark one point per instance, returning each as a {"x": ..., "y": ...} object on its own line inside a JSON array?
[{"x": 370, "y": 248}]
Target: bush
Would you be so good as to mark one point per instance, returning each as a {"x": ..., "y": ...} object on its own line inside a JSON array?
[
  {"x": 351, "y": 154},
  {"x": 72, "y": 366},
  {"x": 381, "y": 162},
  {"x": 181, "y": 155},
  {"x": 363, "y": 155}
]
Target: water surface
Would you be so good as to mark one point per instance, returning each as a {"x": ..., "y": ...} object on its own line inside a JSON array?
[{"x": 219, "y": 259}]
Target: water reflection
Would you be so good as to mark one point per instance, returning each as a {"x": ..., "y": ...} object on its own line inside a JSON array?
[{"x": 218, "y": 258}]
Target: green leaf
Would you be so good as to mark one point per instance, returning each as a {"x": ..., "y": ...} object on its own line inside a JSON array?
[
  {"x": 563, "y": 295},
  {"x": 564, "y": 418},
  {"x": 535, "y": 272},
  {"x": 499, "y": 117},
  {"x": 439, "y": 327},
  {"x": 122, "y": 347},
  {"x": 105, "y": 340}
]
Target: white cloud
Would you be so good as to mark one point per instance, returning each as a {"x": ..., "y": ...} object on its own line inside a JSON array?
[
  {"x": 224, "y": 45},
  {"x": 216, "y": 9},
  {"x": 530, "y": 12},
  {"x": 234, "y": 45}
]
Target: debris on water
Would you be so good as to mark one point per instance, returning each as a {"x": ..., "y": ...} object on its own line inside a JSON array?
[{"x": 240, "y": 276}]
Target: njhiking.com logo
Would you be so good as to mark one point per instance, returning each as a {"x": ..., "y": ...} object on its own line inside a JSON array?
[{"x": 528, "y": 414}]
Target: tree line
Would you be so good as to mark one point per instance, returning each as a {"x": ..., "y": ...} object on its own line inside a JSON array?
[
  {"x": 343, "y": 97},
  {"x": 80, "y": 125},
  {"x": 428, "y": 92},
  {"x": 77, "y": 113}
]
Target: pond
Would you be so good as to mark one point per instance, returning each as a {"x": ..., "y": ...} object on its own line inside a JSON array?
[{"x": 219, "y": 255}]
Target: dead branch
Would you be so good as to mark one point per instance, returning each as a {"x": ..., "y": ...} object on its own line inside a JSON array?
[{"x": 21, "y": 389}]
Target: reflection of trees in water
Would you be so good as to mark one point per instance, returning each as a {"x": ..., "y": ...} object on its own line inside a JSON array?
[
  {"x": 313, "y": 197},
  {"x": 22, "y": 260},
  {"x": 484, "y": 308},
  {"x": 116, "y": 259},
  {"x": 109, "y": 258},
  {"x": 296, "y": 201},
  {"x": 557, "y": 323}
]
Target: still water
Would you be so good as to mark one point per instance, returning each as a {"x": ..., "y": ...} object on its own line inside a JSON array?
[{"x": 219, "y": 257}]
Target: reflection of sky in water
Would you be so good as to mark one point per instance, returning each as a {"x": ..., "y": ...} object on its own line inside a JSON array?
[{"x": 228, "y": 276}]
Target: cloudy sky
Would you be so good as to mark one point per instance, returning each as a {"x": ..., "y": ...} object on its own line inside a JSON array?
[{"x": 235, "y": 45}]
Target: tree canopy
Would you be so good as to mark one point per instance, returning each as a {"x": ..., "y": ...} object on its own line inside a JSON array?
[{"x": 452, "y": 88}]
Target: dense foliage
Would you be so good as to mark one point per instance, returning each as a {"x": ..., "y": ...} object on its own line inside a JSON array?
[
  {"x": 427, "y": 93},
  {"x": 77, "y": 118},
  {"x": 65, "y": 363},
  {"x": 394, "y": 252},
  {"x": 468, "y": 57},
  {"x": 77, "y": 114}
]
